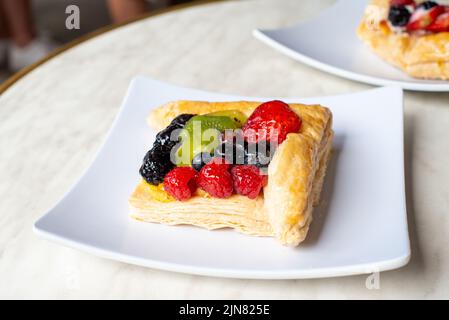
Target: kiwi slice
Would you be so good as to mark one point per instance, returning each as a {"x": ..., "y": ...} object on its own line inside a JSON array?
[
  {"x": 237, "y": 116},
  {"x": 202, "y": 134}
]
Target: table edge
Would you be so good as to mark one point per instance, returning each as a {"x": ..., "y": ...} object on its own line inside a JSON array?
[{"x": 91, "y": 35}]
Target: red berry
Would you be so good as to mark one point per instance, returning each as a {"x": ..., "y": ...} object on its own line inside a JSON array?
[
  {"x": 422, "y": 17},
  {"x": 180, "y": 182},
  {"x": 402, "y": 2},
  {"x": 248, "y": 180},
  {"x": 441, "y": 24},
  {"x": 271, "y": 120},
  {"x": 215, "y": 179}
]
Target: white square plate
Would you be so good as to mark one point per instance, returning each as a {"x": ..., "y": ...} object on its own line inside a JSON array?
[
  {"x": 329, "y": 43},
  {"x": 360, "y": 227}
]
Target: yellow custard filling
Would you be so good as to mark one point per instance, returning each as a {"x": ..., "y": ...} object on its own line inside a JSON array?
[
  {"x": 159, "y": 194},
  {"x": 156, "y": 192}
]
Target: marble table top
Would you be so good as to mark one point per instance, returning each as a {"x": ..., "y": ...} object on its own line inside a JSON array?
[{"x": 53, "y": 120}]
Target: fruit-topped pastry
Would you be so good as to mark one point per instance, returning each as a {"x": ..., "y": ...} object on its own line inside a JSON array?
[
  {"x": 255, "y": 167},
  {"x": 412, "y": 35}
]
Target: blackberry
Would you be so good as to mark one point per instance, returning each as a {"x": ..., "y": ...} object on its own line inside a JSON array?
[
  {"x": 399, "y": 16},
  {"x": 426, "y": 5},
  {"x": 157, "y": 162},
  {"x": 181, "y": 120},
  {"x": 200, "y": 160},
  {"x": 163, "y": 137},
  {"x": 156, "y": 165}
]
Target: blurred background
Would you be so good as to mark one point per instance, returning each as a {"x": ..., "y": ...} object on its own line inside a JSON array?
[{"x": 30, "y": 29}]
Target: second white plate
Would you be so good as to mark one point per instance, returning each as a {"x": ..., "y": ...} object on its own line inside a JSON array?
[{"x": 329, "y": 43}]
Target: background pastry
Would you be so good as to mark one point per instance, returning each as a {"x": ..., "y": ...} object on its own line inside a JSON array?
[{"x": 412, "y": 35}]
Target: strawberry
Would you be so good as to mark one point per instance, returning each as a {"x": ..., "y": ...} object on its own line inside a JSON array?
[
  {"x": 271, "y": 120},
  {"x": 402, "y": 2},
  {"x": 423, "y": 17},
  {"x": 440, "y": 24}
]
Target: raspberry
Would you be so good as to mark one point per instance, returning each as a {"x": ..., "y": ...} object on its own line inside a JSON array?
[
  {"x": 248, "y": 180},
  {"x": 215, "y": 178},
  {"x": 271, "y": 120},
  {"x": 424, "y": 15},
  {"x": 180, "y": 183}
]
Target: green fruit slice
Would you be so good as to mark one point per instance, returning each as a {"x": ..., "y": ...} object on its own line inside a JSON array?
[
  {"x": 202, "y": 134},
  {"x": 237, "y": 116}
]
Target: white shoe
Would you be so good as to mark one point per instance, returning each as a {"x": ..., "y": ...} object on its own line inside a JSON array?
[
  {"x": 20, "y": 57},
  {"x": 3, "y": 52}
]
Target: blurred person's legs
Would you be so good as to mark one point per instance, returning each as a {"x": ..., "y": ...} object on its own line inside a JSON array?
[
  {"x": 3, "y": 28},
  {"x": 123, "y": 10},
  {"x": 3, "y": 38},
  {"x": 24, "y": 47},
  {"x": 19, "y": 20}
]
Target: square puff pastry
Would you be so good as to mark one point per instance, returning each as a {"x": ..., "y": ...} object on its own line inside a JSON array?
[
  {"x": 295, "y": 179},
  {"x": 421, "y": 56}
]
